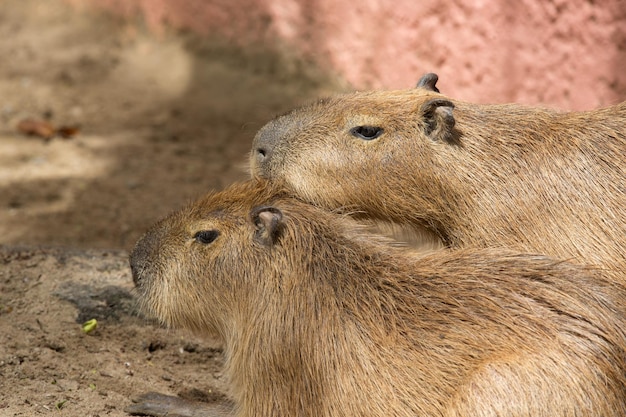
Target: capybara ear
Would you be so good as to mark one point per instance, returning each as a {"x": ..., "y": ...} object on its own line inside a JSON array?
[
  {"x": 439, "y": 119},
  {"x": 428, "y": 82},
  {"x": 267, "y": 221}
]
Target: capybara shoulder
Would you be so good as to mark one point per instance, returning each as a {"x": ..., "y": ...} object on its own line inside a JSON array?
[
  {"x": 319, "y": 318},
  {"x": 476, "y": 175}
]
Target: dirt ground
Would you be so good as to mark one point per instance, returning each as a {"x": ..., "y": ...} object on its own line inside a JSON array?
[{"x": 161, "y": 119}]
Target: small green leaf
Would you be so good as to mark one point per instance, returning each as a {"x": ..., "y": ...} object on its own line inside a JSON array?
[{"x": 90, "y": 325}]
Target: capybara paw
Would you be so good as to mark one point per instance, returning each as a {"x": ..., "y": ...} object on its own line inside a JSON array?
[{"x": 161, "y": 405}]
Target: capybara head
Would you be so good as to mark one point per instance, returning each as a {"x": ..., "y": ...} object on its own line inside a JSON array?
[
  {"x": 199, "y": 257},
  {"x": 327, "y": 152},
  {"x": 202, "y": 266}
]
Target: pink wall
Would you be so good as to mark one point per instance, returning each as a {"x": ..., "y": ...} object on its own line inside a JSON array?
[{"x": 564, "y": 53}]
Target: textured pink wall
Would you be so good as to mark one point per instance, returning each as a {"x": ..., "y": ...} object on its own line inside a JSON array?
[{"x": 564, "y": 53}]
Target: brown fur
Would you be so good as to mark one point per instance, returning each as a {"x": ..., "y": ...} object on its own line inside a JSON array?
[
  {"x": 318, "y": 318},
  {"x": 476, "y": 175}
]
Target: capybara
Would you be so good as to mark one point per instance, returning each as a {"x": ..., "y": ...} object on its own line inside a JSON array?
[
  {"x": 527, "y": 178},
  {"x": 318, "y": 318}
]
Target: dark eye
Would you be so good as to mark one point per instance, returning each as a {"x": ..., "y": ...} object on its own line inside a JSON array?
[
  {"x": 206, "y": 236},
  {"x": 366, "y": 132}
]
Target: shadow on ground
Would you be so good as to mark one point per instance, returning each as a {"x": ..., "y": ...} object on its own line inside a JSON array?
[{"x": 163, "y": 120}]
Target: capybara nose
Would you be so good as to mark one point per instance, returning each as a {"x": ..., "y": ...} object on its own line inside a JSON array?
[
  {"x": 140, "y": 256},
  {"x": 137, "y": 262},
  {"x": 261, "y": 158},
  {"x": 263, "y": 149},
  {"x": 263, "y": 155}
]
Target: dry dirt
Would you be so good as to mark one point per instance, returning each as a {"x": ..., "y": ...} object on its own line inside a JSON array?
[{"x": 162, "y": 120}]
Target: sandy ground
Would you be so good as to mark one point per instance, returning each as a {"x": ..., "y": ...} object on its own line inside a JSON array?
[{"x": 162, "y": 120}]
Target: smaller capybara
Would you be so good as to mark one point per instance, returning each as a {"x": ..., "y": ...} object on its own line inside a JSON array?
[
  {"x": 318, "y": 318},
  {"x": 527, "y": 178}
]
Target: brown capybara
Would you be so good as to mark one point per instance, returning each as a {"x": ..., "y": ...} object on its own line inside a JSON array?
[
  {"x": 320, "y": 319},
  {"x": 526, "y": 178}
]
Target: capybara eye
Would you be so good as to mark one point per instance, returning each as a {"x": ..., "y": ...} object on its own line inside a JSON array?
[
  {"x": 206, "y": 236},
  {"x": 366, "y": 132}
]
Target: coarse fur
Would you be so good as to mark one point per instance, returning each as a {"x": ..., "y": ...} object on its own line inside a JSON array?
[
  {"x": 531, "y": 179},
  {"x": 318, "y": 318}
]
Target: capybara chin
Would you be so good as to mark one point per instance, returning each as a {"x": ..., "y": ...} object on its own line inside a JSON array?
[
  {"x": 476, "y": 175},
  {"x": 320, "y": 319}
]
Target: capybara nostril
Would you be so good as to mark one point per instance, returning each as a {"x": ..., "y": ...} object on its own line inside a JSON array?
[
  {"x": 260, "y": 161},
  {"x": 262, "y": 154}
]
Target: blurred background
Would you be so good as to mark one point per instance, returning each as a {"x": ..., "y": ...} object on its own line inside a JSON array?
[{"x": 115, "y": 112}]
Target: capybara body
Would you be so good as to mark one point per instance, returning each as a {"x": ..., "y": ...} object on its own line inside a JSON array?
[
  {"x": 476, "y": 175},
  {"x": 318, "y": 318}
]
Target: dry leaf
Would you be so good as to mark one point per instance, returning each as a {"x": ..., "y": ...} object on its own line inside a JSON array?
[
  {"x": 36, "y": 127},
  {"x": 68, "y": 132}
]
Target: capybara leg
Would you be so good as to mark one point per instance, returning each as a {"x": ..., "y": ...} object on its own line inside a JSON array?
[
  {"x": 160, "y": 405},
  {"x": 537, "y": 385}
]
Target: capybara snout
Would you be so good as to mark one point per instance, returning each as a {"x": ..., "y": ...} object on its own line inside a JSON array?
[
  {"x": 143, "y": 253},
  {"x": 264, "y": 144},
  {"x": 154, "y": 248}
]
